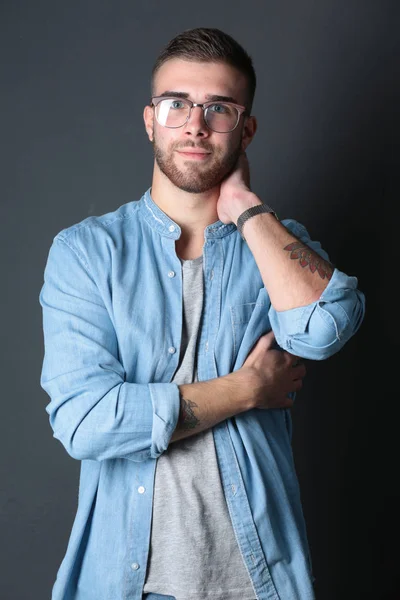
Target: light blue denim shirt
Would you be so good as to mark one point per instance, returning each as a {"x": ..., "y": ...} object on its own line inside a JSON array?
[{"x": 112, "y": 323}]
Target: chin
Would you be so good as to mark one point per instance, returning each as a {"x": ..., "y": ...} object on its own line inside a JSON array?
[
  {"x": 194, "y": 180},
  {"x": 193, "y": 189}
]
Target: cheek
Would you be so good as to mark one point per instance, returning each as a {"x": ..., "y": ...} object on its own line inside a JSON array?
[
  {"x": 163, "y": 137},
  {"x": 235, "y": 143}
]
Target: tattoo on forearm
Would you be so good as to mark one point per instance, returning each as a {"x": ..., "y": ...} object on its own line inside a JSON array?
[
  {"x": 188, "y": 418},
  {"x": 308, "y": 258}
]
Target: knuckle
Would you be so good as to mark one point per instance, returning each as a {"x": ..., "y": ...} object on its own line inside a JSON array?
[{"x": 297, "y": 383}]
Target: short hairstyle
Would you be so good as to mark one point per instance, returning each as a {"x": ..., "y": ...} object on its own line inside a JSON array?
[{"x": 209, "y": 45}]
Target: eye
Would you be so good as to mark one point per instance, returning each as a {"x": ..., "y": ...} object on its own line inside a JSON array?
[
  {"x": 177, "y": 104},
  {"x": 218, "y": 108}
]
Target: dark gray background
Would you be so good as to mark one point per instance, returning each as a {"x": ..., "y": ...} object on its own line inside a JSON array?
[{"x": 74, "y": 80}]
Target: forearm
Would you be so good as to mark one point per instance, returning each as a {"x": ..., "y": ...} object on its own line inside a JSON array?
[
  {"x": 207, "y": 403},
  {"x": 293, "y": 273}
]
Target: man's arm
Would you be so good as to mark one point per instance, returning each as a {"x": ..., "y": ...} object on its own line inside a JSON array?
[
  {"x": 264, "y": 381},
  {"x": 315, "y": 307},
  {"x": 206, "y": 403},
  {"x": 293, "y": 273},
  {"x": 94, "y": 412}
]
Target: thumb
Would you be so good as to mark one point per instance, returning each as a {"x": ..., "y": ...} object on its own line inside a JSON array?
[
  {"x": 265, "y": 342},
  {"x": 269, "y": 338}
]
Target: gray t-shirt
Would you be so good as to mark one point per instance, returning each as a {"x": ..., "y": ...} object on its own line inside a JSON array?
[{"x": 193, "y": 552}]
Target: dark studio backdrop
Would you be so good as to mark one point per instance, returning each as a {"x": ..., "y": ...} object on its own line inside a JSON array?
[{"x": 74, "y": 81}]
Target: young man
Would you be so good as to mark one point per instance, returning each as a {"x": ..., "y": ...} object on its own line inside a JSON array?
[{"x": 160, "y": 323}]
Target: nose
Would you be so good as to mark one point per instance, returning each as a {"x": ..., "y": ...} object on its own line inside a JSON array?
[{"x": 196, "y": 124}]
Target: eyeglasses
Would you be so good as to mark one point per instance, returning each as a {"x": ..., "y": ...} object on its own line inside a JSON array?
[{"x": 221, "y": 117}]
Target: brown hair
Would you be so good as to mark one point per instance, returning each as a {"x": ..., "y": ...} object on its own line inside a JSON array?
[{"x": 209, "y": 45}]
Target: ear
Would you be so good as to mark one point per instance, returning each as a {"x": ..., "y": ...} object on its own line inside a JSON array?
[
  {"x": 148, "y": 117},
  {"x": 249, "y": 131}
]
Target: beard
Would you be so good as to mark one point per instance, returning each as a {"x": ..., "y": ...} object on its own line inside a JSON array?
[{"x": 196, "y": 178}]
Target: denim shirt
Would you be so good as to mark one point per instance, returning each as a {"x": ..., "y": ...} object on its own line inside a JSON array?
[{"x": 112, "y": 323}]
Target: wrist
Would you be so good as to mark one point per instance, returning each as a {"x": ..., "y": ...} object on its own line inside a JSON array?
[
  {"x": 251, "y": 212},
  {"x": 242, "y": 203},
  {"x": 243, "y": 385}
]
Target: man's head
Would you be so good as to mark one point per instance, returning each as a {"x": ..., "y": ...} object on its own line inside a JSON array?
[
  {"x": 209, "y": 45},
  {"x": 200, "y": 65}
]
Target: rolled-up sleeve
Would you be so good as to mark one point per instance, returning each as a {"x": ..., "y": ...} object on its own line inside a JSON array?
[
  {"x": 320, "y": 329},
  {"x": 93, "y": 411}
]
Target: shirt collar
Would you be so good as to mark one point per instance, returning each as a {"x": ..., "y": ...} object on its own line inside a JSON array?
[{"x": 161, "y": 222}]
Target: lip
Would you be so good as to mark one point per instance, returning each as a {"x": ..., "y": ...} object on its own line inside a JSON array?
[{"x": 195, "y": 155}]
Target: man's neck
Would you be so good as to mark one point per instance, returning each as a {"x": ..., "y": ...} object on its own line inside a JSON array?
[{"x": 192, "y": 212}]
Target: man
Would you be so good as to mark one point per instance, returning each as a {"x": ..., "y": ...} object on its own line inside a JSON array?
[{"x": 173, "y": 328}]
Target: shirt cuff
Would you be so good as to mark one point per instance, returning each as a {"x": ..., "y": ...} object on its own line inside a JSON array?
[{"x": 166, "y": 406}]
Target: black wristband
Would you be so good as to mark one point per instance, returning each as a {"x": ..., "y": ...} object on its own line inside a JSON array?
[{"x": 251, "y": 212}]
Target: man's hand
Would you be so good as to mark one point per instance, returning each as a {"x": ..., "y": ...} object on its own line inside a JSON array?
[
  {"x": 271, "y": 374},
  {"x": 235, "y": 194},
  {"x": 264, "y": 381}
]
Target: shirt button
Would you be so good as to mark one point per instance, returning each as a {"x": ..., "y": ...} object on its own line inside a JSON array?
[
  {"x": 171, "y": 350},
  {"x": 141, "y": 490},
  {"x": 171, "y": 227},
  {"x": 171, "y": 274},
  {"x": 134, "y": 566}
]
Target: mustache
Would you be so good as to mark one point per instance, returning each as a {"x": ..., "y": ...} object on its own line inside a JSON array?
[{"x": 205, "y": 146}]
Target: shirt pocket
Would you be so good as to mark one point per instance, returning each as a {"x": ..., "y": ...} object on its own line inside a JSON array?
[{"x": 249, "y": 322}]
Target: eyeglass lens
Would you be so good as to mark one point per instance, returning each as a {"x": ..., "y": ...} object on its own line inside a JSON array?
[{"x": 220, "y": 117}]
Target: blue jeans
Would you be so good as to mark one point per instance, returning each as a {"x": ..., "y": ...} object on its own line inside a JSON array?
[{"x": 152, "y": 596}]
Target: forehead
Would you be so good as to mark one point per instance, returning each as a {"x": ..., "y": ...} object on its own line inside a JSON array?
[{"x": 200, "y": 79}]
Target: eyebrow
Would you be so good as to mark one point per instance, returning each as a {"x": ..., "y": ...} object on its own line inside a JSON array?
[{"x": 210, "y": 97}]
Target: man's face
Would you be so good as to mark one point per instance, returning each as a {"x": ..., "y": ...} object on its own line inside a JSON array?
[{"x": 197, "y": 173}]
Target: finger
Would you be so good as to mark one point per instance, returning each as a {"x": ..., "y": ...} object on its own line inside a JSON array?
[
  {"x": 297, "y": 384},
  {"x": 245, "y": 166},
  {"x": 298, "y": 372},
  {"x": 270, "y": 336},
  {"x": 297, "y": 360},
  {"x": 267, "y": 340},
  {"x": 264, "y": 343},
  {"x": 288, "y": 403}
]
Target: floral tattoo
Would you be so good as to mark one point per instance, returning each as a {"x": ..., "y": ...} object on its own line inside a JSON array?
[
  {"x": 308, "y": 258},
  {"x": 189, "y": 419}
]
